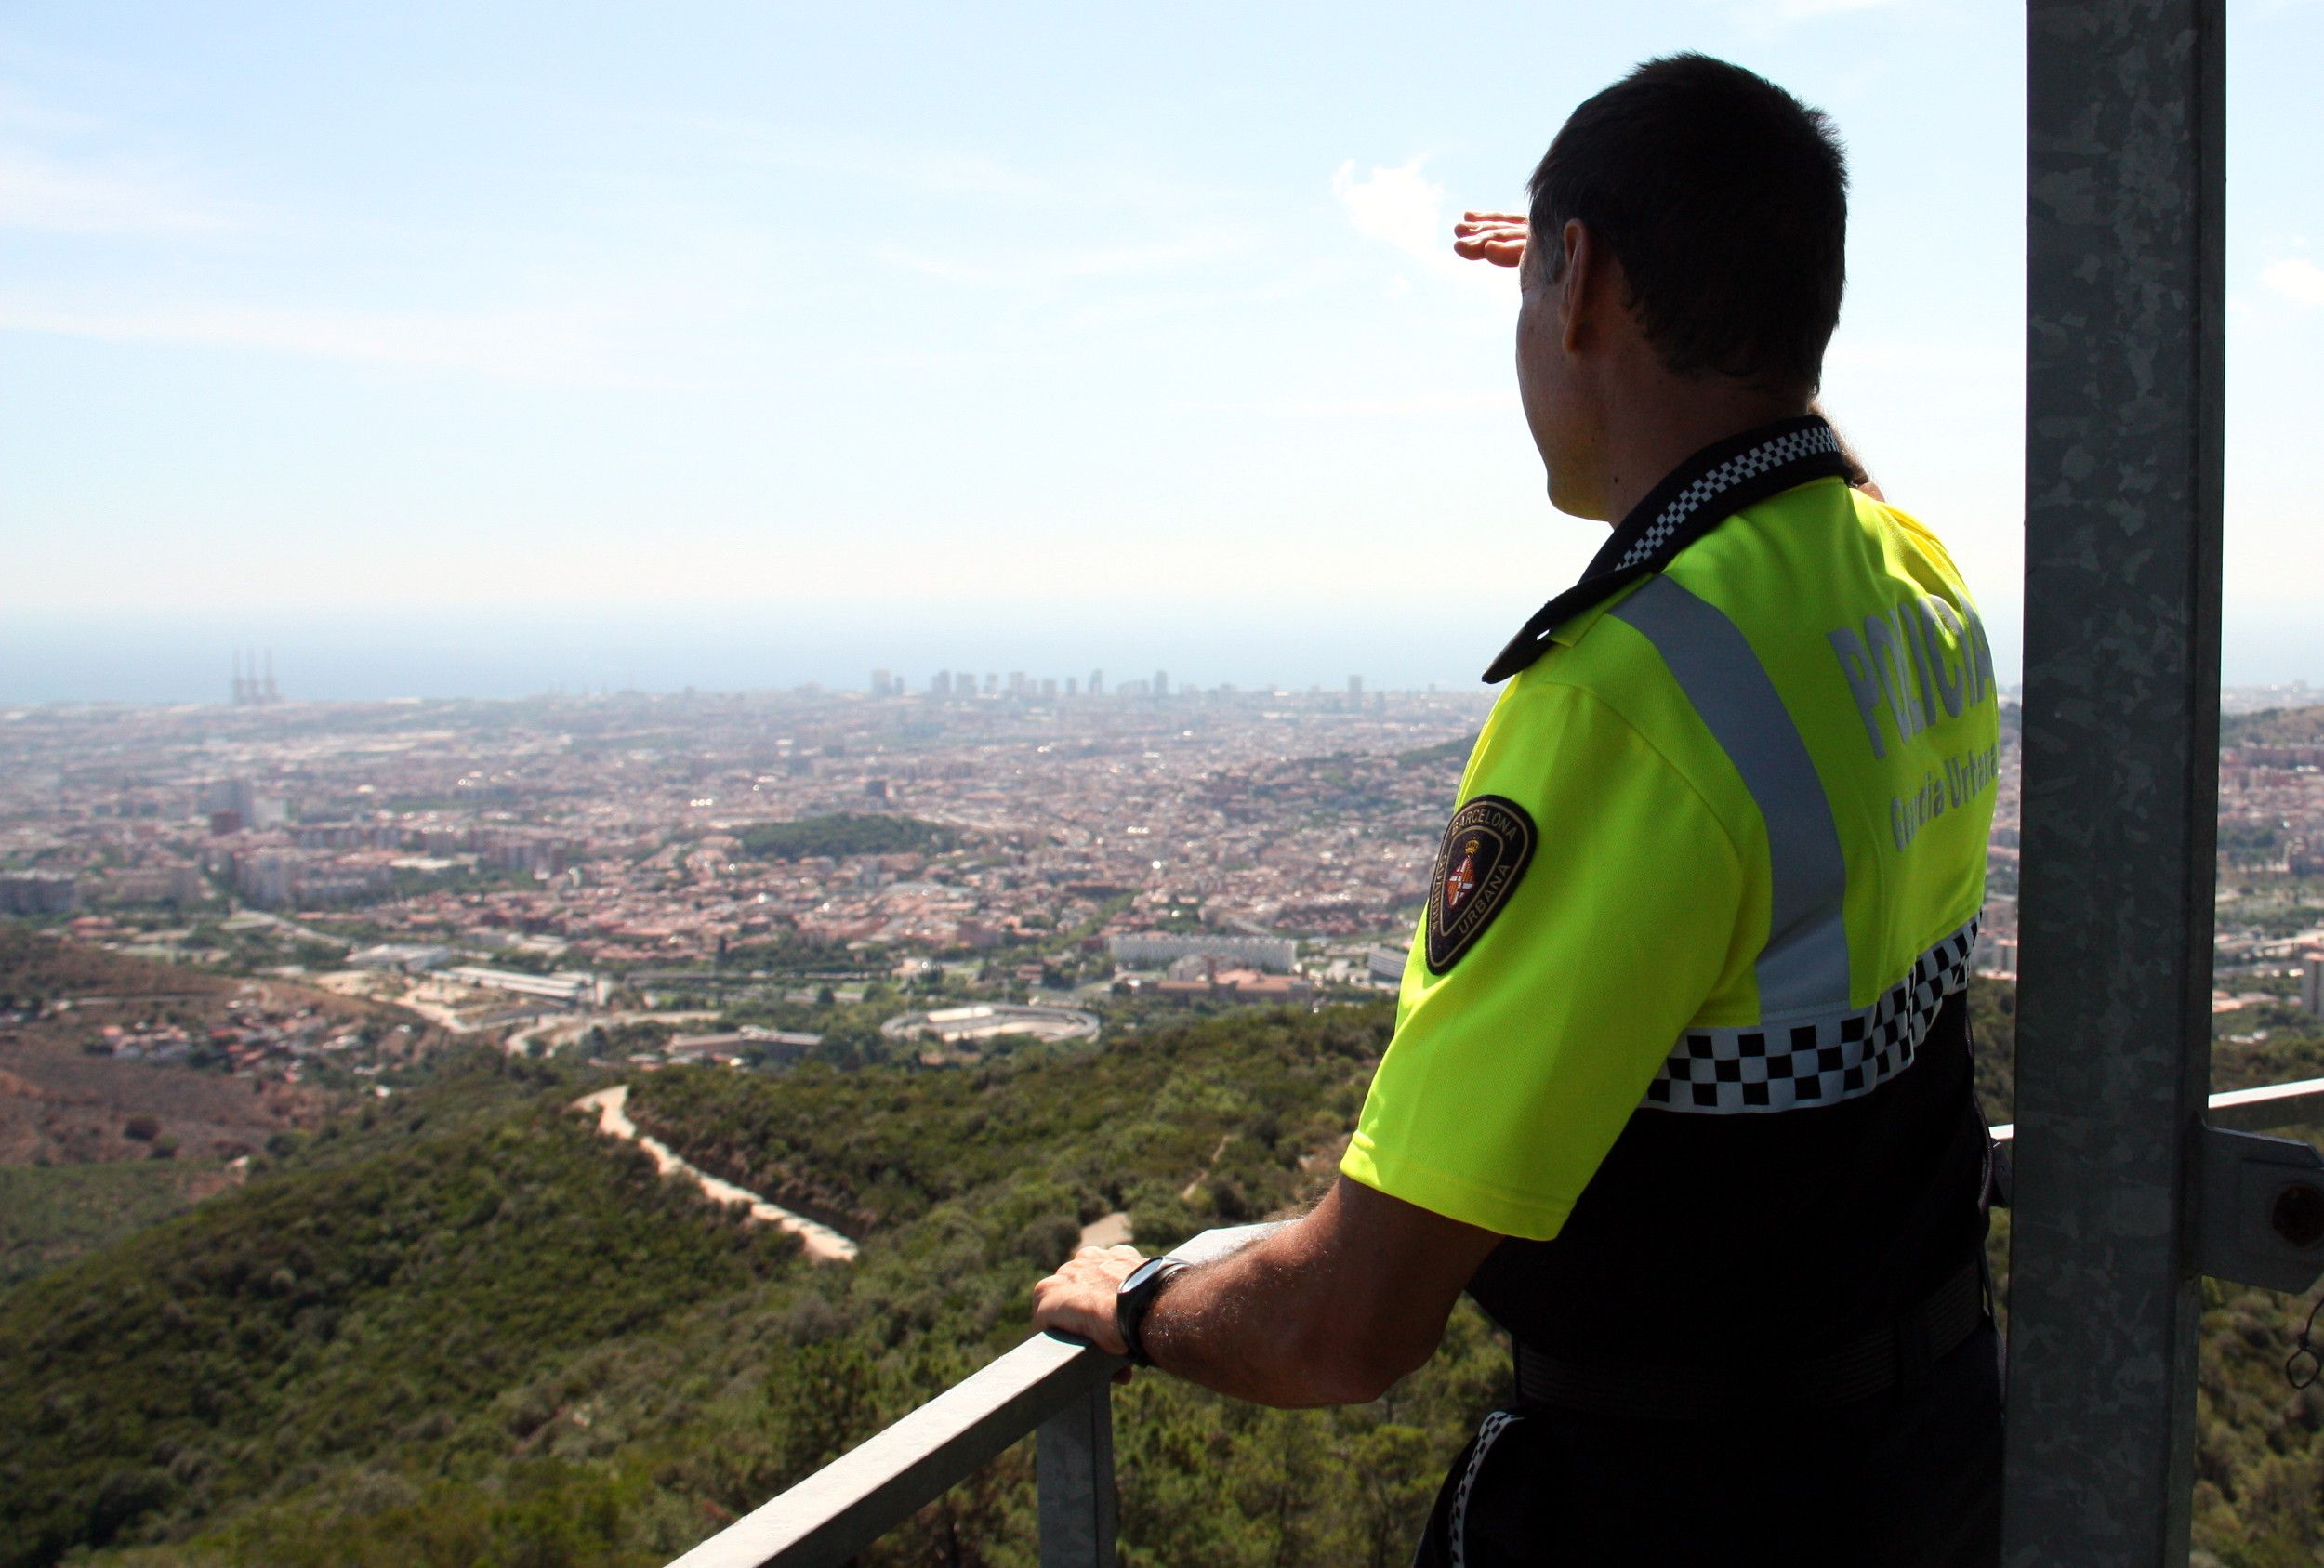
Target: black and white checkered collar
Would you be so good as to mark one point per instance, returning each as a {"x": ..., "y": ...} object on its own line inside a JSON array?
[{"x": 1699, "y": 495}]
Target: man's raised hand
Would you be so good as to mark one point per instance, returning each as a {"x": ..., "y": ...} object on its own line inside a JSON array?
[{"x": 1496, "y": 237}]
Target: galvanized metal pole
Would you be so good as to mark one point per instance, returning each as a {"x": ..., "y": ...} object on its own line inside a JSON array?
[
  {"x": 2125, "y": 192},
  {"x": 1072, "y": 1474}
]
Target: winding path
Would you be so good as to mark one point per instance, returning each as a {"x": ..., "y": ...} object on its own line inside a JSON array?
[{"x": 611, "y": 1106}]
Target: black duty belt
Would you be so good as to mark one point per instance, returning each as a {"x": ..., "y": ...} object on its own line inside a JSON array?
[{"x": 1898, "y": 1354}]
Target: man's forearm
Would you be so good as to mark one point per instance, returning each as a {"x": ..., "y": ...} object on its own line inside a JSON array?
[
  {"x": 1255, "y": 1324},
  {"x": 1329, "y": 1310}
]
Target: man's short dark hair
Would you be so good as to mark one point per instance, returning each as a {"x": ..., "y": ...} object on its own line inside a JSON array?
[{"x": 1725, "y": 199}]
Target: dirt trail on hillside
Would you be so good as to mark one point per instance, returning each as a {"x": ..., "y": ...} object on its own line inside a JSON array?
[{"x": 611, "y": 1106}]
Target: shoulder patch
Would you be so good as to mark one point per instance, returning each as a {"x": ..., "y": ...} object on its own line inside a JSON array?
[{"x": 1486, "y": 847}]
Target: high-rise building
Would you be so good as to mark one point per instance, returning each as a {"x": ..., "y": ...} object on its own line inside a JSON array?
[
  {"x": 249, "y": 808},
  {"x": 1097, "y": 683},
  {"x": 1355, "y": 688},
  {"x": 2312, "y": 981},
  {"x": 992, "y": 684},
  {"x": 1161, "y": 684},
  {"x": 1048, "y": 688},
  {"x": 268, "y": 879},
  {"x": 1073, "y": 686},
  {"x": 940, "y": 684},
  {"x": 39, "y": 892},
  {"x": 879, "y": 683},
  {"x": 1016, "y": 683}
]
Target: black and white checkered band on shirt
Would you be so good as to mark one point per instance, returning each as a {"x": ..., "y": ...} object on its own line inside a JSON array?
[
  {"x": 1752, "y": 1069},
  {"x": 1790, "y": 447}
]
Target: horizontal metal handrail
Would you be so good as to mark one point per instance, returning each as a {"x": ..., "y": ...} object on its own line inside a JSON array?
[
  {"x": 1058, "y": 1386},
  {"x": 2271, "y": 1105},
  {"x": 1050, "y": 1383},
  {"x": 871, "y": 1489}
]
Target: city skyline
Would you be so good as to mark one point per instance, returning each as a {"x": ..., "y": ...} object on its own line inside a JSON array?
[{"x": 516, "y": 657}]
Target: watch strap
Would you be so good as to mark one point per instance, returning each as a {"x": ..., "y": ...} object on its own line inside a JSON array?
[{"x": 1136, "y": 1298}]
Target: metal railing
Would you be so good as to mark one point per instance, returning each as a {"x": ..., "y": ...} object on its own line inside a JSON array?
[
  {"x": 1055, "y": 1388},
  {"x": 1057, "y": 1391},
  {"x": 2270, "y": 1105}
]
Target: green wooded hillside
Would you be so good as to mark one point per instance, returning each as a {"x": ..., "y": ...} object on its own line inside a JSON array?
[
  {"x": 2280, "y": 726},
  {"x": 460, "y": 1327},
  {"x": 362, "y": 1302},
  {"x": 844, "y": 833},
  {"x": 52, "y": 1213},
  {"x": 475, "y": 1332}
]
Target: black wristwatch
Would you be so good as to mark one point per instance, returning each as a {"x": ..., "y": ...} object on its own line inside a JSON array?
[{"x": 1136, "y": 1298}]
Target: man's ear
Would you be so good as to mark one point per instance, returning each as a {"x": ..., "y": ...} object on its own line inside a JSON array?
[{"x": 1577, "y": 291}]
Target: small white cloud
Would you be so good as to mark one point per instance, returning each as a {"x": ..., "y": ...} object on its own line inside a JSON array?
[
  {"x": 37, "y": 191},
  {"x": 2297, "y": 278},
  {"x": 18, "y": 111},
  {"x": 508, "y": 347},
  {"x": 1401, "y": 207},
  {"x": 1404, "y": 208}
]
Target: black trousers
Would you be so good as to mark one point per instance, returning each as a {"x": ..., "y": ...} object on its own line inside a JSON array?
[{"x": 1908, "y": 1479}]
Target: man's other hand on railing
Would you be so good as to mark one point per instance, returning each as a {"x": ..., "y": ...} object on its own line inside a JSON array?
[{"x": 1331, "y": 1309}]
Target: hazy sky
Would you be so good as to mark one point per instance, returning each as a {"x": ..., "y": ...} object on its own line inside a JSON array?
[{"x": 907, "y": 328}]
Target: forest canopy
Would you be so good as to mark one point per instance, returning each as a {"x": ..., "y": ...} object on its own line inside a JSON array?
[{"x": 843, "y": 834}]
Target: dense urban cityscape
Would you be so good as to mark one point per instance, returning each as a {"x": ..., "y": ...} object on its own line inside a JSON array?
[{"x": 758, "y": 877}]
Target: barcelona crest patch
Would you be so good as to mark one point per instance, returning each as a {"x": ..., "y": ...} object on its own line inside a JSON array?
[{"x": 1485, "y": 851}]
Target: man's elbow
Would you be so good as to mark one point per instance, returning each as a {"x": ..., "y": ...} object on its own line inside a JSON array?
[{"x": 1347, "y": 1368}]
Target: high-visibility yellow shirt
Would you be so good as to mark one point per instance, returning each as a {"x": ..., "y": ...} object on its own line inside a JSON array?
[{"x": 1719, "y": 852}]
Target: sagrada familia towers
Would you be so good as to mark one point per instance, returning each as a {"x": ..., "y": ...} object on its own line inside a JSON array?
[{"x": 251, "y": 689}]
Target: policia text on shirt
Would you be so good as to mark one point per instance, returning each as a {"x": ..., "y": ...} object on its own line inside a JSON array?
[
  {"x": 1899, "y": 669},
  {"x": 1680, "y": 1086}
]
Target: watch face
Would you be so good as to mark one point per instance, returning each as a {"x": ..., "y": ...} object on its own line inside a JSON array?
[{"x": 1142, "y": 1273}]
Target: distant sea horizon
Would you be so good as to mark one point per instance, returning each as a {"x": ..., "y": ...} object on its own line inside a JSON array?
[{"x": 182, "y": 656}]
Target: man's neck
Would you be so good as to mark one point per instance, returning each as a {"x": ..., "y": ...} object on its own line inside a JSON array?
[{"x": 1649, "y": 434}]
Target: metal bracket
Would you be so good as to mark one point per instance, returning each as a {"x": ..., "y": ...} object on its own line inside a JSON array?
[{"x": 2263, "y": 1215}]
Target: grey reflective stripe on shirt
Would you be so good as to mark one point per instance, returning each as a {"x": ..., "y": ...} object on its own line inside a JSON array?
[
  {"x": 1803, "y": 969},
  {"x": 1809, "y": 1047}
]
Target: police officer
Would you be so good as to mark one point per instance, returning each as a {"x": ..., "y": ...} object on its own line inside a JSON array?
[{"x": 1680, "y": 1085}]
